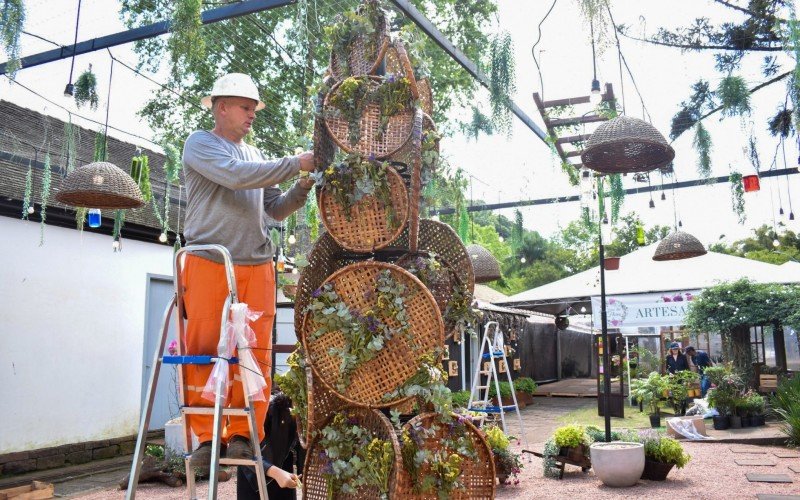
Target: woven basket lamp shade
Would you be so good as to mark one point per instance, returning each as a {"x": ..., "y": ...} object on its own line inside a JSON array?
[
  {"x": 484, "y": 264},
  {"x": 624, "y": 144},
  {"x": 100, "y": 185},
  {"x": 679, "y": 245}
]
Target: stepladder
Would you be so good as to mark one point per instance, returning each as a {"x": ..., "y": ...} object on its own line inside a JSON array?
[
  {"x": 491, "y": 355},
  {"x": 247, "y": 368}
]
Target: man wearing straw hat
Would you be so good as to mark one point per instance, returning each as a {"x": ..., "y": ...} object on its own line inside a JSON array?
[{"x": 231, "y": 189}]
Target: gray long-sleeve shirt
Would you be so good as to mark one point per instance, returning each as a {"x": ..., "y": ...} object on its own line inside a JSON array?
[{"x": 231, "y": 188}]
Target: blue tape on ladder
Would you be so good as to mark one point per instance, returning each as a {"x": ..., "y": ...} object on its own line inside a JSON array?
[
  {"x": 193, "y": 360},
  {"x": 497, "y": 354},
  {"x": 493, "y": 409}
]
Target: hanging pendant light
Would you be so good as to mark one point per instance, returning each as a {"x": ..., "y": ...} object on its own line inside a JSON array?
[
  {"x": 751, "y": 183},
  {"x": 679, "y": 245},
  {"x": 652, "y": 203},
  {"x": 100, "y": 184},
  {"x": 624, "y": 144},
  {"x": 484, "y": 264}
]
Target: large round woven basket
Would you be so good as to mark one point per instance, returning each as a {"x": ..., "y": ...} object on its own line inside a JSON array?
[
  {"x": 483, "y": 262},
  {"x": 324, "y": 147},
  {"x": 367, "y": 227},
  {"x": 397, "y": 63},
  {"x": 373, "y": 139},
  {"x": 425, "y": 96},
  {"x": 477, "y": 476},
  {"x": 100, "y": 185},
  {"x": 403, "y": 160},
  {"x": 399, "y": 359},
  {"x": 624, "y": 144},
  {"x": 366, "y": 51},
  {"x": 677, "y": 246},
  {"x": 315, "y": 486}
]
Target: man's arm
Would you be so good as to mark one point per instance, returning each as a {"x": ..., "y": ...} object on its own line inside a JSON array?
[
  {"x": 207, "y": 156},
  {"x": 281, "y": 205}
]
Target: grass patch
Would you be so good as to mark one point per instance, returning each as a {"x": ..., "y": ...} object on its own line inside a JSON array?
[{"x": 634, "y": 419}]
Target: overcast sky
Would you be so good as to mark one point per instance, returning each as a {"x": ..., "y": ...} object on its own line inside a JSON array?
[{"x": 520, "y": 167}]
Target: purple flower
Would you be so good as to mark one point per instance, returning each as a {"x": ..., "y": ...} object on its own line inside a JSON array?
[
  {"x": 371, "y": 157},
  {"x": 391, "y": 78},
  {"x": 317, "y": 293},
  {"x": 677, "y": 298},
  {"x": 666, "y": 299}
]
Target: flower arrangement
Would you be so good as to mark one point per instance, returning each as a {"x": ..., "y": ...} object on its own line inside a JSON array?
[
  {"x": 355, "y": 178},
  {"x": 429, "y": 385},
  {"x": 571, "y": 436},
  {"x": 437, "y": 470},
  {"x": 508, "y": 462},
  {"x": 351, "y": 26},
  {"x": 366, "y": 333},
  {"x": 355, "y": 94},
  {"x": 353, "y": 457}
]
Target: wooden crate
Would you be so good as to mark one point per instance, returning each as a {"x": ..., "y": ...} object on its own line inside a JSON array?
[{"x": 35, "y": 491}]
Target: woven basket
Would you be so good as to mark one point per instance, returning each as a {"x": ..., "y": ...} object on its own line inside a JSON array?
[
  {"x": 399, "y": 358},
  {"x": 624, "y": 145},
  {"x": 367, "y": 227},
  {"x": 322, "y": 404},
  {"x": 477, "y": 476},
  {"x": 361, "y": 59},
  {"x": 483, "y": 262},
  {"x": 404, "y": 158},
  {"x": 679, "y": 245},
  {"x": 315, "y": 486},
  {"x": 396, "y": 62},
  {"x": 100, "y": 185},
  {"x": 425, "y": 96},
  {"x": 324, "y": 147},
  {"x": 371, "y": 140}
]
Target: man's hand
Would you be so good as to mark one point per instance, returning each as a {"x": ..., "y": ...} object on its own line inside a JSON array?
[
  {"x": 306, "y": 161},
  {"x": 306, "y": 182}
]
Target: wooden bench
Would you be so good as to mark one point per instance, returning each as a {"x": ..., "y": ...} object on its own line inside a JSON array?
[
  {"x": 767, "y": 383},
  {"x": 562, "y": 461}
]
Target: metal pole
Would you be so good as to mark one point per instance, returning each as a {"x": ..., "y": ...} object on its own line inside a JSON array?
[{"x": 604, "y": 337}]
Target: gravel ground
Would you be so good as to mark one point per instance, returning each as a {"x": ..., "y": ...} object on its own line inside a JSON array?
[{"x": 712, "y": 474}]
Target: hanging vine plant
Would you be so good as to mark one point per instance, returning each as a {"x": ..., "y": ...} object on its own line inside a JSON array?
[
  {"x": 140, "y": 173},
  {"x": 617, "y": 195},
  {"x": 734, "y": 96},
  {"x": 737, "y": 196},
  {"x": 186, "y": 44},
  {"x": 86, "y": 89},
  {"x": 46, "y": 178},
  {"x": 172, "y": 163},
  {"x": 781, "y": 124},
  {"x": 69, "y": 147},
  {"x": 702, "y": 144},
  {"x": 502, "y": 83},
  {"x": 479, "y": 123},
  {"x": 26, "y": 200},
  {"x": 11, "y": 21}
]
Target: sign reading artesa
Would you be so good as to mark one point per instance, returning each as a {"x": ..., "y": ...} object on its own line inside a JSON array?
[{"x": 651, "y": 309}]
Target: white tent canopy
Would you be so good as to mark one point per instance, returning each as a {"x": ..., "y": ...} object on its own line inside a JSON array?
[{"x": 638, "y": 273}]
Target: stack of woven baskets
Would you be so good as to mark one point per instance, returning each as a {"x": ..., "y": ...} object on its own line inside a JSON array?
[{"x": 369, "y": 242}]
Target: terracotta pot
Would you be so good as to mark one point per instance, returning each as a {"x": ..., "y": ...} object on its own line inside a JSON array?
[
  {"x": 612, "y": 263},
  {"x": 656, "y": 471},
  {"x": 618, "y": 464}
]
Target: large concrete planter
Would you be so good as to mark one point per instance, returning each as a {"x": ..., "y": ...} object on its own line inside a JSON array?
[{"x": 618, "y": 464}]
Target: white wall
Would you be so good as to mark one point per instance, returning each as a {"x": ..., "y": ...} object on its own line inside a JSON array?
[{"x": 71, "y": 334}]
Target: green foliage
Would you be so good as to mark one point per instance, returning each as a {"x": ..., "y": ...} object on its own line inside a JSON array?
[
  {"x": 26, "y": 199},
  {"x": 525, "y": 384},
  {"x": 781, "y": 124},
  {"x": 355, "y": 94},
  {"x": 737, "y": 196},
  {"x": 460, "y": 399},
  {"x": 479, "y": 123},
  {"x": 647, "y": 362},
  {"x": 570, "y": 436},
  {"x": 86, "y": 89},
  {"x": 549, "y": 466},
  {"x": 786, "y": 406},
  {"x": 702, "y": 144},
  {"x": 505, "y": 390},
  {"x": 140, "y": 173},
  {"x": 649, "y": 390},
  {"x": 155, "y": 451},
  {"x": 496, "y": 438},
  {"x": 701, "y": 101},
  {"x": 350, "y": 26},
  {"x": 665, "y": 450},
  {"x": 11, "y": 24},
  {"x": 172, "y": 163},
  {"x": 293, "y": 384},
  {"x": 312, "y": 218},
  {"x": 502, "y": 81},
  {"x": 734, "y": 96},
  {"x": 186, "y": 45},
  {"x": 46, "y": 182},
  {"x": 353, "y": 457},
  {"x": 617, "y": 195}
]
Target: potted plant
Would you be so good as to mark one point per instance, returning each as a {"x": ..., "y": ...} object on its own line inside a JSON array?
[
  {"x": 619, "y": 463},
  {"x": 507, "y": 463},
  {"x": 612, "y": 263},
  {"x": 722, "y": 397},
  {"x": 525, "y": 387},
  {"x": 505, "y": 395},
  {"x": 756, "y": 404},
  {"x": 572, "y": 442},
  {"x": 679, "y": 387},
  {"x": 460, "y": 399},
  {"x": 648, "y": 391},
  {"x": 661, "y": 454}
]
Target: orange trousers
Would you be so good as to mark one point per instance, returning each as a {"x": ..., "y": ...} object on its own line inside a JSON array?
[{"x": 205, "y": 290}]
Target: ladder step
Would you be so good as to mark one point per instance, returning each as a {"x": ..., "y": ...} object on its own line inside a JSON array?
[
  {"x": 496, "y": 354},
  {"x": 236, "y": 461},
  {"x": 193, "y": 360},
  {"x": 492, "y": 409},
  {"x": 209, "y": 410},
  {"x": 481, "y": 386},
  {"x": 485, "y": 373}
]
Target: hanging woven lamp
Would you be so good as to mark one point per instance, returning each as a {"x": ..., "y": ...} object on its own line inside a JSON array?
[
  {"x": 100, "y": 185},
  {"x": 624, "y": 144},
  {"x": 677, "y": 246},
  {"x": 484, "y": 264}
]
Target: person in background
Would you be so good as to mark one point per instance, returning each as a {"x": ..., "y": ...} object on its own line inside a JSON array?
[
  {"x": 676, "y": 360},
  {"x": 701, "y": 361}
]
